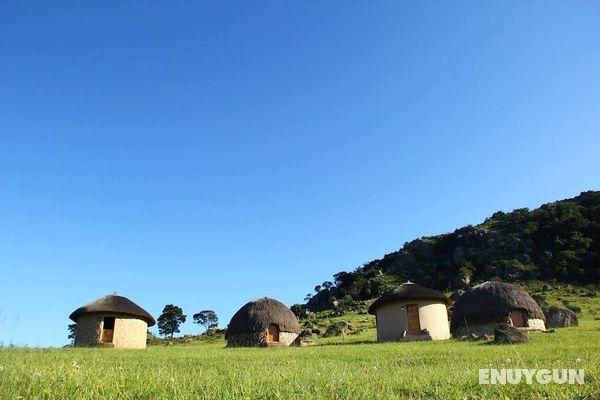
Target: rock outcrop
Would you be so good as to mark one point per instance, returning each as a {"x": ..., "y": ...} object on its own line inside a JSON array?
[{"x": 560, "y": 317}]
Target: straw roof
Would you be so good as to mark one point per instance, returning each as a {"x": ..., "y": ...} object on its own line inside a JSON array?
[
  {"x": 491, "y": 302},
  {"x": 409, "y": 291},
  {"x": 257, "y": 315},
  {"x": 113, "y": 304}
]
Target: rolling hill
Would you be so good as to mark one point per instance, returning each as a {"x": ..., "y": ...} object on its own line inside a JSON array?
[{"x": 559, "y": 241}]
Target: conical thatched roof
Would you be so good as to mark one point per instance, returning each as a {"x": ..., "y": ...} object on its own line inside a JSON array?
[
  {"x": 490, "y": 302},
  {"x": 409, "y": 291},
  {"x": 114, "y": 304},
  {"x": 257, "y": 315}
]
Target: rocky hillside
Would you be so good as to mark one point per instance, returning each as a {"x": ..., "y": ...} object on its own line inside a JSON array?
[{"x": 559, "y": 241}]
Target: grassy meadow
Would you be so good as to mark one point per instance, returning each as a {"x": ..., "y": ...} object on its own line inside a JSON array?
[
  {"x": 426, "y": 370},
  {"x": 351, "y": 367}
]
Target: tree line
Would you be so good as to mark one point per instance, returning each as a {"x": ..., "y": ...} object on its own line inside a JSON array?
[{"x": 172, "y": 317}]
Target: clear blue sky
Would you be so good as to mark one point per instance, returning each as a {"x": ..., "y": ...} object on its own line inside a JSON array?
[{"x": 208, "y": 153}]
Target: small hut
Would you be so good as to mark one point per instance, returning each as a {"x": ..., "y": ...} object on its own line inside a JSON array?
[
  {"x": 260, "y": 323},
  {"x": 112, "y": 321},
  {"x": 411, "y": 312},
  {"x": 480, "y": 309}
]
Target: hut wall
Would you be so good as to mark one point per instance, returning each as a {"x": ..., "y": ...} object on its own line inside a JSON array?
[
  {"x": 130, "y": 333},
  {"x": 434, "y": 317},
  {"x": 392, "y": 319},
  {"x": 247, "y": 339},
  {"x": 88, "y": 330},
  {"x": 536, "y": 323}
]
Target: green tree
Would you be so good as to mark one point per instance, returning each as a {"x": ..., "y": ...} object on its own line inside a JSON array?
[
  {"x": 72, "y": 332},
  {"x": 206, "y": 318},
  {"x": 168, "y": 323},
  {"x": 299, "y": 311}
]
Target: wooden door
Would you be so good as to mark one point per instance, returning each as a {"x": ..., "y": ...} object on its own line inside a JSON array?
[
  {"x": 518, "y": 318},
  {"x": 412, "y": 314},
  {"x": 273, "y": 333},
  {"x": 107, "y": 335}
]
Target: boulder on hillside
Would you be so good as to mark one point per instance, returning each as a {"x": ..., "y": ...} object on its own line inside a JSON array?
[
  {"x": 546, "y": 288},
  {"x": 305, "y": 333},
  {"x": 560, "y": 317},
  {"x": 506, "y": 334},
  {"x": 309, "y": 325},
  {"x": 339, "y": 328},
  {"x": 575, "y": 309}
]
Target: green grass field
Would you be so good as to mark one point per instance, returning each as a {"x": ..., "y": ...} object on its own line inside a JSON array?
[
  {"x": 444, "y": 370},
  {"x": 351, "y": 367}
]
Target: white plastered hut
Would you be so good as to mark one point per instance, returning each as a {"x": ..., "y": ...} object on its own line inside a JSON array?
[
  {"x": 411, "y": 312},
  {"x": 480, "y": 309},
  {"x": 261, "y": 323},
  {"x": 112, "y": 321}
]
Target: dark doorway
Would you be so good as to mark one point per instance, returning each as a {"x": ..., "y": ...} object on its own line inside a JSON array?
[
  {"x": 108, "y": 328},
  {"x": 273, "y": 333},
  {"x": 518, "y": 318}
]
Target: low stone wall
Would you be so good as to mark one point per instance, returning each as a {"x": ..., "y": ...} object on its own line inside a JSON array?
[
  {"x": 477, "y": 329},
  {"x": 488, "y": 329},
  {"x": 536, "y": 323},
  {"x": 287, "y": 338},
  {"x": 259, "y": 339}
]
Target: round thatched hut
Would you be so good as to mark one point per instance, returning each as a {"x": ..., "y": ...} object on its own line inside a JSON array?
[
  {"x": 483, "y": 307},
  {"x": 411, "y": 312},
  {"x": 112, "y": 321},
  {"x": 262, "y": 322}
]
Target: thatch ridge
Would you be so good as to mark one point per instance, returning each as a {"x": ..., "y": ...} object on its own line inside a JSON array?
[
  {"x": 409, "y": 291},
  {"x": 257, "y": 315},
  {"x": 491, "y": 302},
  {"x": 114, "y": 304}
]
